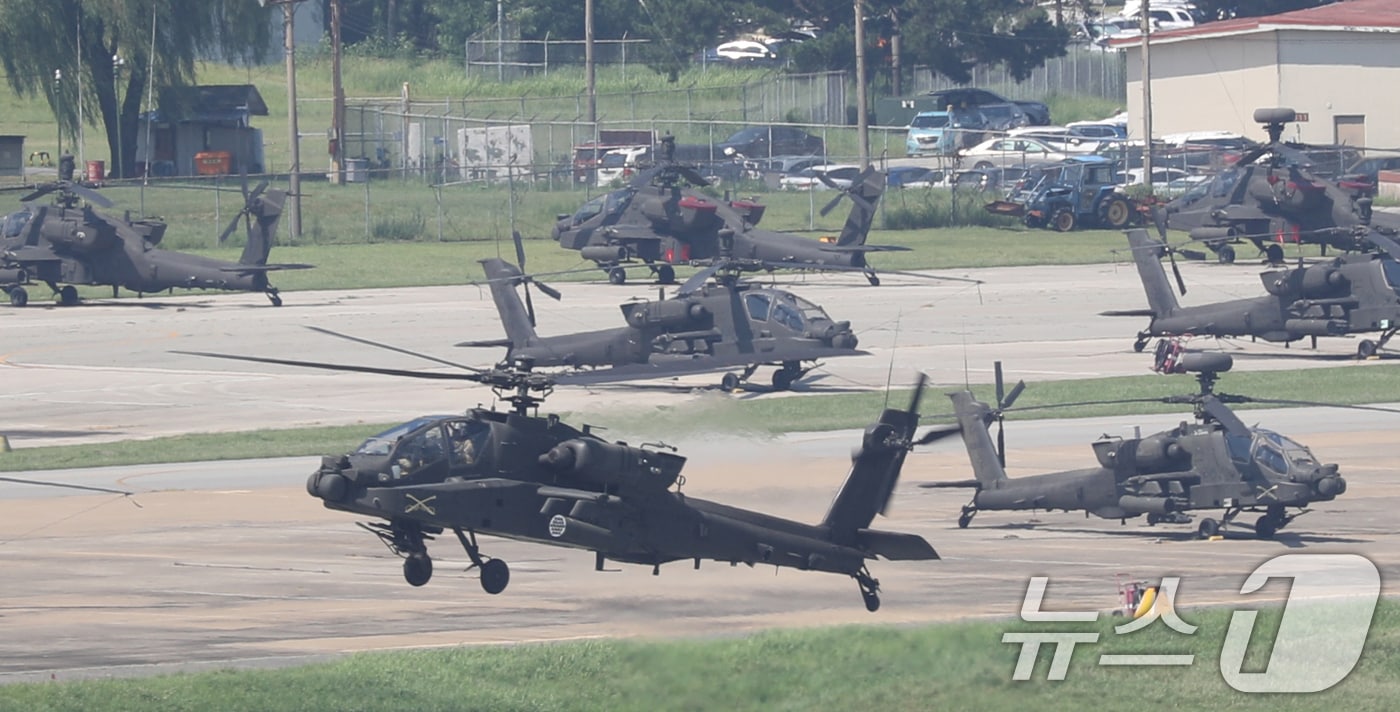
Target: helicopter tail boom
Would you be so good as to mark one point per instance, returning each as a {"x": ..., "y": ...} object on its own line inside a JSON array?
[
  {"x": 981, "y": 451},
  {"x": 1146, "y": 254}
]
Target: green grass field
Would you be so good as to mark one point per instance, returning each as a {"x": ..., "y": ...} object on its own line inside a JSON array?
[
  {"x": 758, "y": 417},
  {"x": 955, "y": 666}
]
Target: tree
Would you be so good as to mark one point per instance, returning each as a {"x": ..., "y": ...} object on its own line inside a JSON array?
[
  {"x": 38, "y": 37},
  {"x": 1213, "y": 9}
]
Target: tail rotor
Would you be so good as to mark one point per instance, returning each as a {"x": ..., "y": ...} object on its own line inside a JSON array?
[
  {"x": 527, "y": 280},
  {"x": 1004, "y": 401}
]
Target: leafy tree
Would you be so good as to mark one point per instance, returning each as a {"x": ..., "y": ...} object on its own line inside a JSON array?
[
  {"x": 1253, "y": 8},
  {"x": 38, "y": 37}
]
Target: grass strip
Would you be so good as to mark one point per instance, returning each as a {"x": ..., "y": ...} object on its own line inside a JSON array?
[
  {"x": 961, "y": 665},
  {"x": 762, "y": 416}
]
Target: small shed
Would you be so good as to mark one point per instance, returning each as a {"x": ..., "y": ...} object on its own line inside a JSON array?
[
  {"x": 12, "y": 156},
  {"x": 194, "y": 123}
]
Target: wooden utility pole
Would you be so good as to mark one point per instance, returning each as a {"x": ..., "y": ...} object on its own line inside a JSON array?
[
  {"x": 862, "y": 118},
  {"x": 1146, "y": 98},
  {"x": 589, "y": 86},
  {"x": 337, "y": 101}
]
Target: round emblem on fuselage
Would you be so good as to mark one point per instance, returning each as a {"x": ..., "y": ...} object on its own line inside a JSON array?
[{"x": 557, "y": 524}]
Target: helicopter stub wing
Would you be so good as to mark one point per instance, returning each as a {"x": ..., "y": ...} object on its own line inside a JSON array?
[
  {"x": 664, "y": 366},
  {"x": 31, "y": 254}
]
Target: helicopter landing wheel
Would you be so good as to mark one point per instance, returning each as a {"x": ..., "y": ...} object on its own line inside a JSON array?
[
  {"x": 965, "y": 518},
  {"x": 274, "y": 297},
  {"x": 1140, "y": 343},
  {"x": 1266, "y": 527},
  {"x": 665, "y": 274},
  {"x": 1225, "y": 255},
  {"x": 68, "y": 296},
  {"x": 417, "y": 569},
  {"x": 617, "y": 275},
  {"x": 1274, "y": 253},
  {"x": 1364, "y": 350},
  {"x": 1207, "y": 528},
  {"x": 18, "y": 297},
  {"x": 495, "y": 576},
  {"x": 730, "y": 382},
  {"x": 784, "y": 377},
  {"x": 872, "y": 278},
  {"x": 869, "y": 589}
]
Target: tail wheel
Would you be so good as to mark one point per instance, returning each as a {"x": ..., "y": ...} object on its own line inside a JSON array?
[
  {"x": 1116, "y": 213},
  {"x": 1063, "y": 220}
]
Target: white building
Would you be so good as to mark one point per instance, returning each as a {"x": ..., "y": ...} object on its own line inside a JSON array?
[{"x": 1337, "y": 64}]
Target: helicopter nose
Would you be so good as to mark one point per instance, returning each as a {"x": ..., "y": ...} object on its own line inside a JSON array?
[{"x": 1328, "y": 482}]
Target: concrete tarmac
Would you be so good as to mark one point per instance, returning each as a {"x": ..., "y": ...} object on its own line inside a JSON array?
[
  {"x": 104, "y": 371},
  {"x": 232, "y": 563}
]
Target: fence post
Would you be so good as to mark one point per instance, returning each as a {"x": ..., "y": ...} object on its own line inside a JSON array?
[{"x": 368, "y": 173}]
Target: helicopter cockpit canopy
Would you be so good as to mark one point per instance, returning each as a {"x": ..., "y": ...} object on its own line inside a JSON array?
[
  {"x": 1391, "y": 269},
  {"x": 605, "y": 204},
  {"x": 383, "y": 443},
  {"x": 797, "y": 315},
  {"x": 1281, "y": 455},
  {"x": 15, "y": 222}
]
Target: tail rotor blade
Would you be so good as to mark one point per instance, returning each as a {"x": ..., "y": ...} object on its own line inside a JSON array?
[
  {"x": 831, "y": 205},
  {"x": 918, "y": 393},
  {"x": 232, "y": 225},
  {"x": 519, "y": 250},
  {"x": 549, "y": 291},
  {"x": 1013, "y": 395},
  {"x": 529, "y": 305},
  {"x": 1001, "y": 439},
  {"x": 1001, "y": 385},
  {"x": 1176, "y": 271}
]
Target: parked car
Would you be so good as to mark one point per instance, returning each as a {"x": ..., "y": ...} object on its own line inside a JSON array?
[
  {"x": 1161, "y": 175},
  {"x": 842, "y": 175},
  {"x": 925, "y": 132},
  {"x": 1362, "y": 175},
  {"x": 1063, "y": 138},
  {"x": 745, "y": 50},
  {"x": 1011, "y": 151},
  {"x": 1002, "y": 117},
  {"x": 768, "y": 141},
  {"x": 1100, "y": 130},
  {"x": 1036, "y": 113},
  {"x": 912, "y": 177}
]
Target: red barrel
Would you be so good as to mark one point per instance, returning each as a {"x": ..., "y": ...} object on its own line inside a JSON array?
[{"x": 96, "y": 171}]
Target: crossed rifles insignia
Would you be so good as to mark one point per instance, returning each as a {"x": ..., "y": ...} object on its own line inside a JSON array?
[{"x": 423, "y": 504}]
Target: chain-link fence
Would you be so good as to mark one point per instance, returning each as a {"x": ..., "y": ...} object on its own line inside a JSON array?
[{"x": 1084, "y": 70}]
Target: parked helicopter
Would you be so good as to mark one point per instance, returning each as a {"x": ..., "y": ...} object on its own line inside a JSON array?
[
  {"x": 1217, "y": 462},
  {"x": 656, "y": 220},
  {"x": 1269, "y": 197},
  {"x": 519, "y": 475},
  {"x": 69, "y": 244},
  {"x": 704, "y": 327},
  {"x": 1348, "y": 294}
]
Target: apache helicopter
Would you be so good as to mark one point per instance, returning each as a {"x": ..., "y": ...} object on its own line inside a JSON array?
[
  {"x": 1217, "y": 462},
  {"x": 657, "y": 220},
  {"x": 518, "y": 475},
  {"x": 1348, "y": 294},
  {"x": 1269, "y": 197},
  {"x": 703, "y": 327},
  {"x": 68, "y": 244}
]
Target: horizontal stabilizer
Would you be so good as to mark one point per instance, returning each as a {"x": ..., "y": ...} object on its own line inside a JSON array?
[
  {"x": 252, "y": 269},
  {"x": 1130, "y": 312},
  {"x": 578, "y": 495},
  {"x": 895, "y": 546},
  {"x": 483, "y": 344},
  {"x": 826, "y": 247},
  {"x": 973, "y": 484}
]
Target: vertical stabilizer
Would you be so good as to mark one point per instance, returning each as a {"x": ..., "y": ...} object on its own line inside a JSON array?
[
  {"x": 874, "y": 470},
  {"x": 504, "y": 278},
  {"x": 972, "y": 419},
  {"x": 865, "y": 197},
  {"x": 1147, "y": 256},
  {"x": 263, "y": 214}
]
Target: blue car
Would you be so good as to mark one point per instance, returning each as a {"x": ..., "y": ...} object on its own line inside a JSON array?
[{"x": 925, "y": 132}]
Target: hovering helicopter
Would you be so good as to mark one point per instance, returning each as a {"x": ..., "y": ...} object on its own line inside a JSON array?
[
  {"x": 1348, "y": 294},
  {"x": 1269, "y": 197},
  {"x": 703, "y": 327},
  {"x": 657, "y": 220},
  {"x": 1217, "y": 462},
  {"x": 69, "y": 244},
  {"x": 518, "y": 475}
]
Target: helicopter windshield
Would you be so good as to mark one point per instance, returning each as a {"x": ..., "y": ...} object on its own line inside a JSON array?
[
  {"x": 794, "y": 312},
  {"x": 15, "y": 222},
  {"x": 1391, "y": 268},
  {"x": 382, "y": 443},
  {"x": 1281, "y": 454}
]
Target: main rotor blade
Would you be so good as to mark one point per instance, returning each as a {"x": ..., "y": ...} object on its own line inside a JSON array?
[
  {"x": 1226, "y": 417},
  {"x": 1318, "y": 404},
  {"x": 692, "y": 177},
  {"x": 395, "y": 349},
  {"x": 698, "y": 280},
  {"x": 342, "y": 367},
  {"x": 1389, "y": 246}
]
